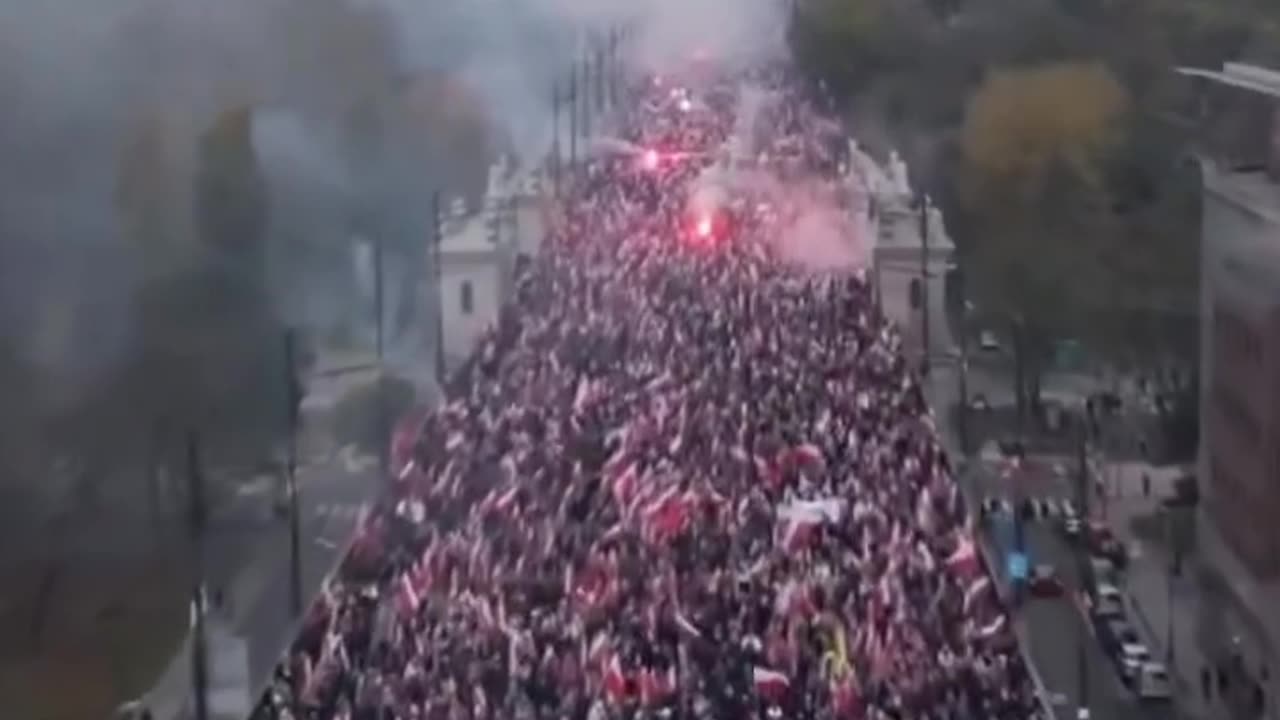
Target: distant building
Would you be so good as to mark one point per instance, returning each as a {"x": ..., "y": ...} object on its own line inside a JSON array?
[
  {"x": 911, "y": 247},
  {"x": 1239, "y": 457},
  {"x": 478, "y": 257}
]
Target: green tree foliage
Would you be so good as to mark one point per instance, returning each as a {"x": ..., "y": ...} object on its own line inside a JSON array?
[
  {"x": 1074, "y": 160},
  {"x": 230, "y": 193},
  {"x": 1034, "y": 147},
  {"x": 849, "y": 42}
]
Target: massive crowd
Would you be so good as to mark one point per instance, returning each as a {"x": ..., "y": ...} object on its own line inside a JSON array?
[{"x": 688, "y": 480}]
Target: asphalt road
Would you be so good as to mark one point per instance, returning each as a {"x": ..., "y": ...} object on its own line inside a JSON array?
[
  {"x": 256, "y": 579},
  {"x": 1058, "y": 631}
]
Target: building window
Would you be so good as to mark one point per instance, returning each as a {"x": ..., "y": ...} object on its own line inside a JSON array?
[
  {"x": 915, "y": 294},
  {"x": 465, "y": 297}
]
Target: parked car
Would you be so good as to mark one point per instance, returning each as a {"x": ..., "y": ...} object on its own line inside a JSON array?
[
  {"x": 1131, "y": 659},
  {"x": 1113, "y": 550},
  {"x": 1101, "y": 571},
  {"x": 1044, "y": 582},
  {"x": 1105, "y": 602},
  {"x": 1153, "y": 684},
  {"x": 1113, "y": 632},
  {"x": 988, "y": 342}
]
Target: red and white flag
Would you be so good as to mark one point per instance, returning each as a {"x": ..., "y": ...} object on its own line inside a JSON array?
[
  {"x": 793, "y": 600},
  {"x": 964, "y": 559},
  {"x": 656, "y": 686},
  {"x": 616, "y": 686},
  {"x": 992, "y": 628},
  {"x": 686, "y": 625},
  {"x": 975, "y": 591},
  {"x": 406, "y": 598},
  {"x": 808, "y": 453},
  {"x": 770, "y": 684}
]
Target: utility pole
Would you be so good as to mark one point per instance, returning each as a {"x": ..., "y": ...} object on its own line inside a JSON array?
[
  {"x": 293, "y": 397},
  {"x": 586, "y": 99},
  {"x": 615, "y": 66},
  {"x": 876, "y": 278},
  {"x": 573, "y": 115},
  {"x": 555, "y": 134},
  {"x": 198, "y": 521},
  {"x": 437, "y": 239},
  {"x": 1082, "y": 570},
  {"x": 924, "y": 282},
  {"x": 380, "y": 354},
  {"x": 962, "y": 376},
  {"x": 600, "y": 75}
]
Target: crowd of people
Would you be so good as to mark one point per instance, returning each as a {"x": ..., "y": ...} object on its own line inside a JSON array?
[{"x": 689, "y": 478}]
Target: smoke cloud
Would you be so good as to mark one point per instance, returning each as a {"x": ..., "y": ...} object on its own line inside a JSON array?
[{"x": 80, "y": 82}]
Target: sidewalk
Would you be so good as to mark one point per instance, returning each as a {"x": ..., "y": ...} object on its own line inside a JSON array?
[{"x": 1165, "y": 608}]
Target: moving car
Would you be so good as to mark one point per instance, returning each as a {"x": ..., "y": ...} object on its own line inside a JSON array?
[
  {"x": 988, "y": 342},
  {"x": 1044, "y": 582}
]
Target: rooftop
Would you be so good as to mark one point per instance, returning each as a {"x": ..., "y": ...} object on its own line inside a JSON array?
[
  {"x": 1240, "y": 75},
  {"x": 1250, "y": 190}
]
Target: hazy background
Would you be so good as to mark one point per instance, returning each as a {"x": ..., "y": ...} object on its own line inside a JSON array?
[{"x": 356, "y": 111}]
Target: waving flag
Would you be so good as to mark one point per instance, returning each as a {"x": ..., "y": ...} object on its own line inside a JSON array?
[
  {"x": 686, "y": 625},
  {"x": 992, "y": 628},
  {"x": 623, "y": 484},
  {"x": 406, "y": 598},
  {"x": 964, "y": 560},
  {"x": 616, "y": 685},
  {"x": 770, "y": 684},
  {"x": 975, "y": 591}
]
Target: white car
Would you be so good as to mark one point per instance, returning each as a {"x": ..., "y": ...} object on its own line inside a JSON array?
[
  {"x": 1106, "y": 601},
  {"x": 988, "y": 342},
  {"x": 1133, "y": 658},
  {"x": 1153, "y": 682}
]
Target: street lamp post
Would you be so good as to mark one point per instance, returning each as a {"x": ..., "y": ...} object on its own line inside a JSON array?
[
  {"x": 1082, "y": 567},
  {"x": 293, "y": 397},
  {"x": 586, "y": 98},
  {"x": 198, "y": 522},
  {"x": 923, "y": 203},
  {"x": 962, "y": 378},
  {"x": 555, "y": 135},
  {"x": 573, "y": 114},
  {"x": 379, "y": 341},
  {"x": 437, "y": 240}
]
